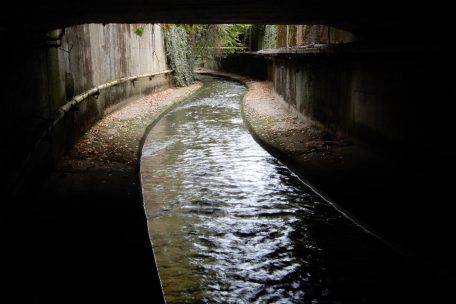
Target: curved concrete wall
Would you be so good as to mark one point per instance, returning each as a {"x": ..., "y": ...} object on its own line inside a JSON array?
[
  {"x": 93, "y": 54},
  {"x": 42, "y": 71},
  {"x": 379, "y": 96}
]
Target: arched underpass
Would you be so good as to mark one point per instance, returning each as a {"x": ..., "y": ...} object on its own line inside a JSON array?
[{"x": 419, "y": 80}]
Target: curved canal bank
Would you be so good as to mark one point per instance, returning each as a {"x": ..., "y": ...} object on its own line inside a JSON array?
[
  {"x": 231, "y": 224},
  {"x": 377, "y": 189},
  {"x": 88, "y": 230}
]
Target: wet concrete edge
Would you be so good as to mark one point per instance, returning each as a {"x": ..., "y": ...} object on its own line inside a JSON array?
[{"x": 178, "y": 100}]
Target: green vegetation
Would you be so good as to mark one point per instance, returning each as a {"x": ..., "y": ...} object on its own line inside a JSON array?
[
  {"x": 189, "y": 44},
  {"x": 139, "y": 31},
  {"x": 270, "y": 37},
  {"x": 179, "y": 53}
]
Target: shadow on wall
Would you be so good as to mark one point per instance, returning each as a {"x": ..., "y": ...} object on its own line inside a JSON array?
[
  {"x": 86, "y": 234},
  {"x": 43, "y": 70}
]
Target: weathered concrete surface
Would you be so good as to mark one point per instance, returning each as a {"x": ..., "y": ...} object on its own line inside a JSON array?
[
  {"x": 93, "y": 54},
  {"x": 375, "y": 93},
  {"x": 86, "y": 229},
  {"x": 41, "y": 74},
  {"x": 299, "y": 35}
]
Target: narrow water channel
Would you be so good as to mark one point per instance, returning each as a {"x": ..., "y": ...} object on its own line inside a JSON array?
[{"x": 231, "y": 224}]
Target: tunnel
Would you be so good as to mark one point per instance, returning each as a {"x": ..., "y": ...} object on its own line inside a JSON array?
[{"x": 395, "y": 79}]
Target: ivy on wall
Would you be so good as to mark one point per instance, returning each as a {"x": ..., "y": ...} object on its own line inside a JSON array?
[
  {"x": 179, "y": 54},
  {"x": 185, "y": 44},
  {"x": 270, "y": 37}
]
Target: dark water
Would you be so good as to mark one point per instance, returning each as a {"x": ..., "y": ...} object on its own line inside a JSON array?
[{"x": 231, "y": 224}]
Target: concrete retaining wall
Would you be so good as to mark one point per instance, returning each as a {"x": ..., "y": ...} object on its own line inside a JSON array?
[
  {"x": 382, "y": 99},
  {"x": 93, "y": 54},
  {"x": 43, "y": 71},
  {"x": 378, "y": 97},
  {"x": 306, "y": 34}
]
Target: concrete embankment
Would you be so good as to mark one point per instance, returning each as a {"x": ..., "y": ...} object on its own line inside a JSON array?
[{"x": 89, "y": 229}]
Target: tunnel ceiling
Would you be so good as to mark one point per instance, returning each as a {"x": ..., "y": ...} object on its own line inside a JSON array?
[{"x": 385, "y": 18}]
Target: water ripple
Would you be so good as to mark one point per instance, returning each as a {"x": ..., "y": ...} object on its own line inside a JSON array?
[{"x": 229, "y": 223}]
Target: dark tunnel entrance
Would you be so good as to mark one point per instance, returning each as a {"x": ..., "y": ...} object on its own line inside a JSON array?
[{"x": 393, "y": 86}]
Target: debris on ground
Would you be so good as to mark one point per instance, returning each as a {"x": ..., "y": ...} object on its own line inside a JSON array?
[{"x": 117, "y": 137}]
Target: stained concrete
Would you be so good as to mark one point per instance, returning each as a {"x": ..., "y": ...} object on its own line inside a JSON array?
[
  {"x": 385, "y": 101},
  {"x": 86, "y": 229},
  {"x": 43, "y": 71}
]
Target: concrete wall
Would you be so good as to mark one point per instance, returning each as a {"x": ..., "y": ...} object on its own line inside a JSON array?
[
  {"x": 299, "y": 35},
  {"x": 42, "y": 71},
  {"x": 378, "y": 98},
  {"x": 94, "y": 54}
]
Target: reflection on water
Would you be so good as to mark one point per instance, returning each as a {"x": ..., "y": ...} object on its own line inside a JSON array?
[{"x": 230, "y": 224}]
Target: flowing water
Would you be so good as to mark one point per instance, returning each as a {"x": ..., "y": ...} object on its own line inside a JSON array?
[{"x": 231, "y": 224}]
